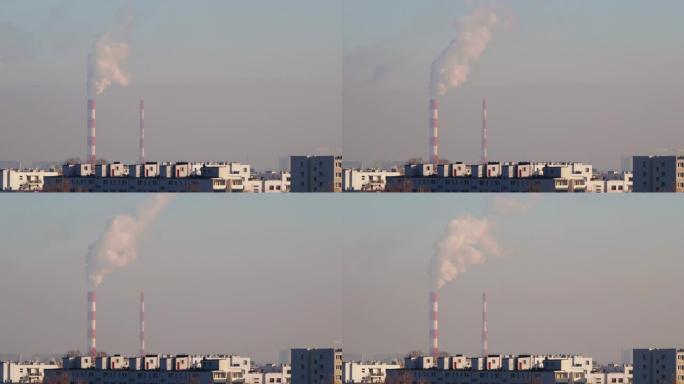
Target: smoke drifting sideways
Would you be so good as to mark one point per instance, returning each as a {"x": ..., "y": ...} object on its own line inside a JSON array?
[
  {"x": 118, "y": 245},
  {"x": 467, "y": 241},
  {"x": 452, "y": 67},
  {"x": 106, "y": 56}
]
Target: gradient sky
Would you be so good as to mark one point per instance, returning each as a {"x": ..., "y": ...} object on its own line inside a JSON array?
[
  {"x": 222, "y": 80},
  {"x": 585, "y": 81},
  {"x": 581, "y": 274}
]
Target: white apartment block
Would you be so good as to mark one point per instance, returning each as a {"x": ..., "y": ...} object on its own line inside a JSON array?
[
  {"x": 612, "y": 374},
  {"x": 150, "y": 177},
  {"x": 23, "y": 372},
  {"x": 658, "y": 173},
  {"x": 611, "y": 182},
  {"x": 26, "y": 180},
  {"x": 493, "y": 369},
  {"x": 369, "y": 180},
  {"x": 316, "y": 173},
  {"x": 366, "y": 372},
  {"x": 492, "y": 177},
  {"x": 316, "y": 366},
  {"x": 149, "y": 369},
  {"x": 269, "y": 182},
  {"x": 658, "y": 366},
  {"x": 269, "y": 374}
]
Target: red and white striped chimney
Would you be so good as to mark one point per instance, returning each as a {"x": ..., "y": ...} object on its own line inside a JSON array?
[
  {"x": 484, "y": 132},
  {"x": 484, "y": 323},
  {"x": 142, "y": 132},
  {"x": 434, "y": 131},
  {"x": 91, "y": 130},
  {"x": 92, "y": 345},
  {"x": 434, "y": 324},
  {"x": 142, "y": 323}
]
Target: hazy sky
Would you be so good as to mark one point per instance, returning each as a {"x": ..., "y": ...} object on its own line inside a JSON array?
[
  {"x": 580, "y": 274},
  {"x": 252, "y": 81},
  {"x": 587, "y": 81},
  {"x": 222, "y": 80}
]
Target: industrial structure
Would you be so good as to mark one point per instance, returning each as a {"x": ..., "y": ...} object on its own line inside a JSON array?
[
  {"x": 142, "y": 324},
  {"x": 434, "y": 323},
  {"x": 485, "y": 158},
  {"x": 92, "y": 332},
  {"x": 90, "y": 124},
  {"x": 141, "y": 143},
  {"x": 484, "y": 324},
  {"x": 433, "y": 125}
]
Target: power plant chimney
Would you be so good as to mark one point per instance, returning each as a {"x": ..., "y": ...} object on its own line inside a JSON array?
[
  {"x": 91, "y": 131},
  {"x": 484, "y": 324},
  {"x": 92, "y": 346},
  {"x": 434, "y": 131},
  {"x": 142, "y": 132},
  {"x": 142, "y": 323},
  {"x": 434, "y": 326},
  {"x": 484, "y": 131}
]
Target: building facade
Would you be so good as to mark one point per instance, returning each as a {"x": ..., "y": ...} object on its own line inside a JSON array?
[
  {"x": 27, "y": 180},
  {"x": 658, "y": 173},
  {"x": 23, "y": 372},
  {"x": 492, "y": 369},
  {"x": 369, "y": 180},
  {"x": 658, "y": 366},
  {"x": 316, "y": 366},
  {"x": 150, "y": 177},
  {"x": 492, "y": 177},
  {"x": 316, "y": 173},
  {"x": 149, "y": 369},
  {"x": 368, "y": 372}
]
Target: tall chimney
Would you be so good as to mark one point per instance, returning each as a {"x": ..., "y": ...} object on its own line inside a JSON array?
[
  {"x": 434, "y": 131},
  {"x": 142, "y": 132},
  {"x": 484, "y": 131},
  {"x": 92, "y": 346},
  {"x": 142, "y": 323},
  {"x": 484, "y": 323},
  {"x": 91, "y": 131},
  {"x": 434, "y": 326}
]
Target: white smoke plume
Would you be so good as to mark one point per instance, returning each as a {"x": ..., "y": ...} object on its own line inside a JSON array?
[
  {"x": 452, "y": 67},
  {"x": 467, "y": 241},
  {"x": 118, "y": 246},
  {"x": 107, "y": 54}
]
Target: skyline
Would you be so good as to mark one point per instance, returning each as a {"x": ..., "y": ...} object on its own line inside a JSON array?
[
  {"x": 355, "y": 276},
  {"x": 219, "y": 77}
]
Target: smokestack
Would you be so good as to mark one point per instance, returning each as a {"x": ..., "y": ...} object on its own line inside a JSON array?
[
  {"x": 142, "y": 323},
  {"x": 91, "y": 130},
  {"x": 434, "y": 131},
  {"x": 92, "y": 346},
  {"x": 434, "y": 326},
  {"x": 484, "y": 131},
  {"x": 484, "y": 323},
  {"x": 142, "y": 132}
]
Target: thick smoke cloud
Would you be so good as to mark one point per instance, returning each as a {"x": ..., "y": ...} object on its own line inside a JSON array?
[
  {"x": 106, "y": 56},
  {"x": 467, "y": 241},
  {"x": 452, "y": 67},
  {"x": 118, "y": 246}
]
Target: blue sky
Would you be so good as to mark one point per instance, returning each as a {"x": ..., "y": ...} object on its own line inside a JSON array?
[{"x": 252, "y": 276}]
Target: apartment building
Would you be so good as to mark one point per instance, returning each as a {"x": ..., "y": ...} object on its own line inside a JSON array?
[
  {"x": 316, "y": 173},
  {"x": 316, "y": 366}
]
